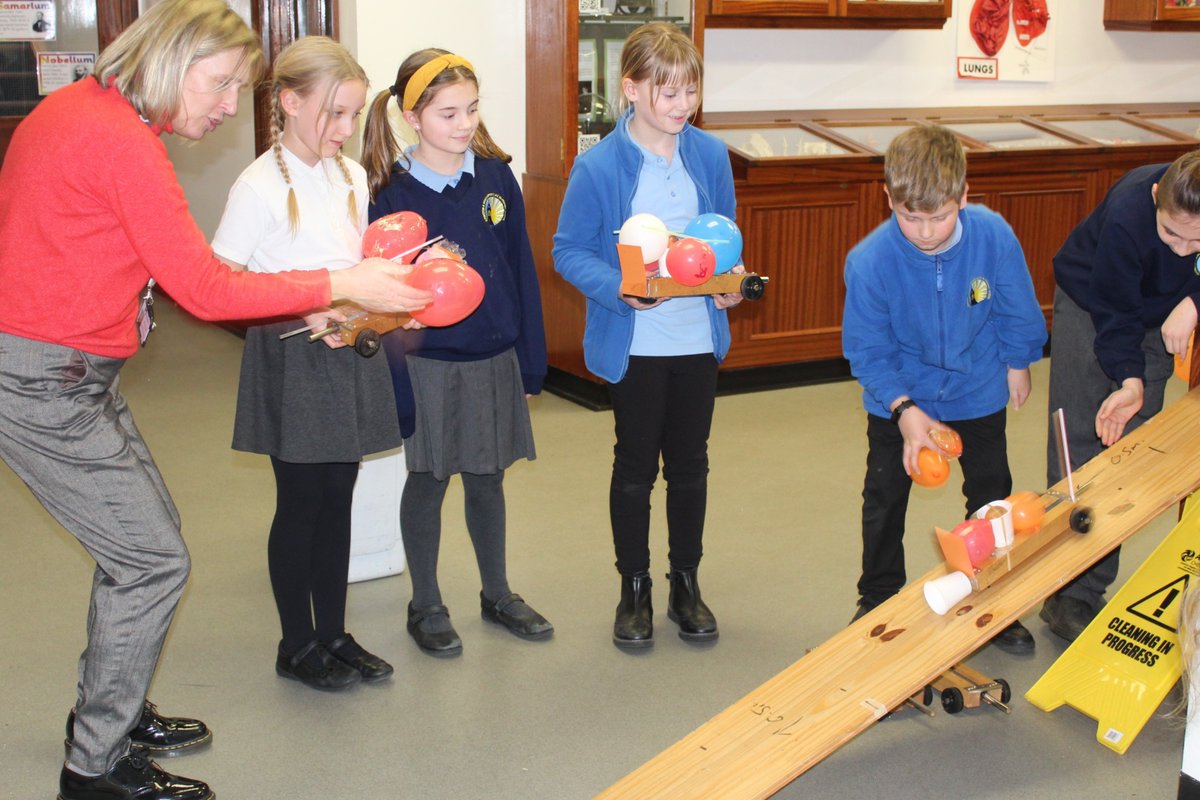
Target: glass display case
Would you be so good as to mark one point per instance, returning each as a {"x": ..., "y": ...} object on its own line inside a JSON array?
[
  {"x": 1111, "y": 131},
  {"x": 758, "y": 143},
  {"x": 874, "y": 137},
  {"x": 1186, "y": 124},
  {"x": 603, "y": 28},
  {"x": 1014, "y": 135}
]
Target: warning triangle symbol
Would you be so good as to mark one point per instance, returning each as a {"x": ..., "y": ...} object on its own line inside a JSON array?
[{"x": 1161, "y": 607}]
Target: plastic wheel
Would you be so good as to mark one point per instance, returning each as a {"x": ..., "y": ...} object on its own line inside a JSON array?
[
  {"x": 952, "y": 700},
  {"x": 1081, "y": 519},
  {"x": 927, "y": 695},
  {"x": 753, "y": 287},
  {"x": 367, "y": 343},
  {"x": 1005, "y": 691}
]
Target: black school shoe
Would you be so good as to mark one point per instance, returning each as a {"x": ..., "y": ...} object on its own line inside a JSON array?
[
  {"x": 316, "y": 667},
  {"x": 443, "y": 644},
  {"x": 370, "y": 666},
  {"x": 133, "y": 777},
  {"x": 514, "y": 613},
  {"x": 1014, "y": 640},
  {"x": 156, "y": 734},
  {"x": 1067, "y": 616}
]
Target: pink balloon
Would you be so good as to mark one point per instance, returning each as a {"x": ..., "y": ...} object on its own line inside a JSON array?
[
  {"x": 691, "y": 261},
  {"x": 978, "y": 536},
  {"x": 388, "y": 237},
  {"x": 457, "y": 291}
]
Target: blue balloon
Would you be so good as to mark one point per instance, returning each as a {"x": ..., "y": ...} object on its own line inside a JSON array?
[{"x": 722, "y": 235}]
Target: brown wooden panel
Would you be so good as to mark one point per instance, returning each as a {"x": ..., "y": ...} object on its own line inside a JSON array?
[
  {"x": 799, "y": 239},
  {"x": 562, "y": 304},
  {"x": 1043, "y": 210},
  {"x": 112, "y": 17}
]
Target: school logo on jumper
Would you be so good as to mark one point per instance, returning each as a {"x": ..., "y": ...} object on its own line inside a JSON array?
[
  {"x": 494, "y": 208},
  {"x": 980, "y": 291}
]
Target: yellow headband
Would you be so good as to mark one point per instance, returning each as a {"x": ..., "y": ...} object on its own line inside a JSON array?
[{"x": 421, "y": 79}]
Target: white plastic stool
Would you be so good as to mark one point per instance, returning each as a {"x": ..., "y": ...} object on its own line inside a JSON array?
[{"x": 376, "y": 549}]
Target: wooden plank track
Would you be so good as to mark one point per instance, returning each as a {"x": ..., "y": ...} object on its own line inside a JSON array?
[{"x": 785, "y": 726}]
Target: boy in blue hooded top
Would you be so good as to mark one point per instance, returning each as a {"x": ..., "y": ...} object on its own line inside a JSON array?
[{"x": 940, "y": 326}]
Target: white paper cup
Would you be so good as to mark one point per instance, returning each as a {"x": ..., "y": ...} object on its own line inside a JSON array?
[
  {"x": 943, "y": 593},
  {"x": 1002, "y": 526}
]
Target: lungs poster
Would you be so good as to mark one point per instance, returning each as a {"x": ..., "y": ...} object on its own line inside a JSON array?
[{"x": 1005, "y": 40}]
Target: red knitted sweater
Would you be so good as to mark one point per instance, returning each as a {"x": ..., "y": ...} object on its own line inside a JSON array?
[{"x": 90, "y": 210}]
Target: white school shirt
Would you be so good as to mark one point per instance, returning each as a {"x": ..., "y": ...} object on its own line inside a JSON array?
[{"x": 254, "y": 228}]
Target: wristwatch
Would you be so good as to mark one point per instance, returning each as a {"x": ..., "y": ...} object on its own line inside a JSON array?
[{"x": 900, "y": 409}]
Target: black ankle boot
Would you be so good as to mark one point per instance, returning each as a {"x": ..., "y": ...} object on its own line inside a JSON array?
[
  {"x": 634, "y": 625},
  {"x": 684, "y": 606}
]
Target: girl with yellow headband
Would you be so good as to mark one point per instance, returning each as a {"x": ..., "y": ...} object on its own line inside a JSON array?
[{"x": 461, "y": 391}]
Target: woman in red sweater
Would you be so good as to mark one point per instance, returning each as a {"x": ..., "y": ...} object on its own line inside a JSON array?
[{"x": 91, "y": 217}]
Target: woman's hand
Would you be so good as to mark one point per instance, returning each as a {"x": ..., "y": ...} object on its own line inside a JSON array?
[{"x": 377, "y": 284}]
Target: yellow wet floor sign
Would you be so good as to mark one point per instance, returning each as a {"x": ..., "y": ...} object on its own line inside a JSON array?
[{"x": 1123, "y": 664}]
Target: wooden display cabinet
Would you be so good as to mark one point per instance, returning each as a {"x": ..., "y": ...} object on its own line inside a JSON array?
[
  {"x": 1151, "y": 15},
  {"x": 827, "y": 13}
]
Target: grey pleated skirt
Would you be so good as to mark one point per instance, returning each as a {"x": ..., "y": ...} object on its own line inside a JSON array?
[
  {"x": 472, "y": 416},
  {"x": 303, "y": 402}
]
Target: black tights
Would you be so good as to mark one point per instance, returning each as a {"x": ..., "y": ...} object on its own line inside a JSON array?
[{"x": 308, "y": 553}]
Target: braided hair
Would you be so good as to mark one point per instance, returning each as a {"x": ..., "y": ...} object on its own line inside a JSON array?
[{"x": 305, "y": 66}]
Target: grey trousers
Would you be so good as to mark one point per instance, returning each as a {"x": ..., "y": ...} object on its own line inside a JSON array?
[
  {"x": 66, "y": 431},
  {"x": 1079, "y": 387}
]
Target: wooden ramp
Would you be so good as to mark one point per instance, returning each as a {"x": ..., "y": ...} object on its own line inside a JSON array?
[{"x": 782, "y": 728}]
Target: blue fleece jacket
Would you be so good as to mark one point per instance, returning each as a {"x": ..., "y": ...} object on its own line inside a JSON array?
[
  {"x": 596, "y": 204},
  {"x": 1115, "y": 267},
  {"x": 942, "y": 329}
]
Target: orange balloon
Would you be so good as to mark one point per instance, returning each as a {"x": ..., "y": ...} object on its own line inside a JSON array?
[
  {"x": 948, "y": 441},
  {"x": 1027, "y": 512},
  {"x": 935, "y": 469}
]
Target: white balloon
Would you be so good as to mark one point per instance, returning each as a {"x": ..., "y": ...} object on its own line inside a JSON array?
[{"x": 647, "y": 232}]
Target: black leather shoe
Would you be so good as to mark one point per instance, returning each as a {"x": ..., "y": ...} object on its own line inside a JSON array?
[
  {"x": 157, "y": 735},
  {"x": 1067, "y": 616},
  {"x": 329, "y": 674},
  {"x": 514, "y": 613},
  {"x": 686, "y": 608},
  {"x": 436, "y": 643},
  {"x": 370, "y": 666},
  {"x": 633, "y": 628},
  {"x": 133, "y": 777},
  {"x": 1015, "y": 639}
]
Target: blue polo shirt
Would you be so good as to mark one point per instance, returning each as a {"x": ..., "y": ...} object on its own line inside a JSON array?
[{"x": 679, "y": 326}]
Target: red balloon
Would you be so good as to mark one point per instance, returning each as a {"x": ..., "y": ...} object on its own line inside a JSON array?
[
  {"x": 388, "y": 237},
  {"x": 457, "y": 291},
  {"x": 691, "y": 261}
]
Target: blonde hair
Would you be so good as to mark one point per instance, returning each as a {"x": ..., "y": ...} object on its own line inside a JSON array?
[
  {"x": 663, "y": 54},
  {"x": 1179, "y": 188},
  {"x": 149, "y": 61},
  {"x": 1189, "y": 651},
  {"x": 925, "y": 167},
  {"x": 380, "y": 148},
  {"x": 303, "y": 67}
]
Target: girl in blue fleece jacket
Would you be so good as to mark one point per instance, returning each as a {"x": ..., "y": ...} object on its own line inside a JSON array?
[{"x": 660, "y": 358}]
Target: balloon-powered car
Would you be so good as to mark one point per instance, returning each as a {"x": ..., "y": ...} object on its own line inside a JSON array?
[
  {"x": 439, "y": 267},
  {"x": 699, "y": 260}
]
